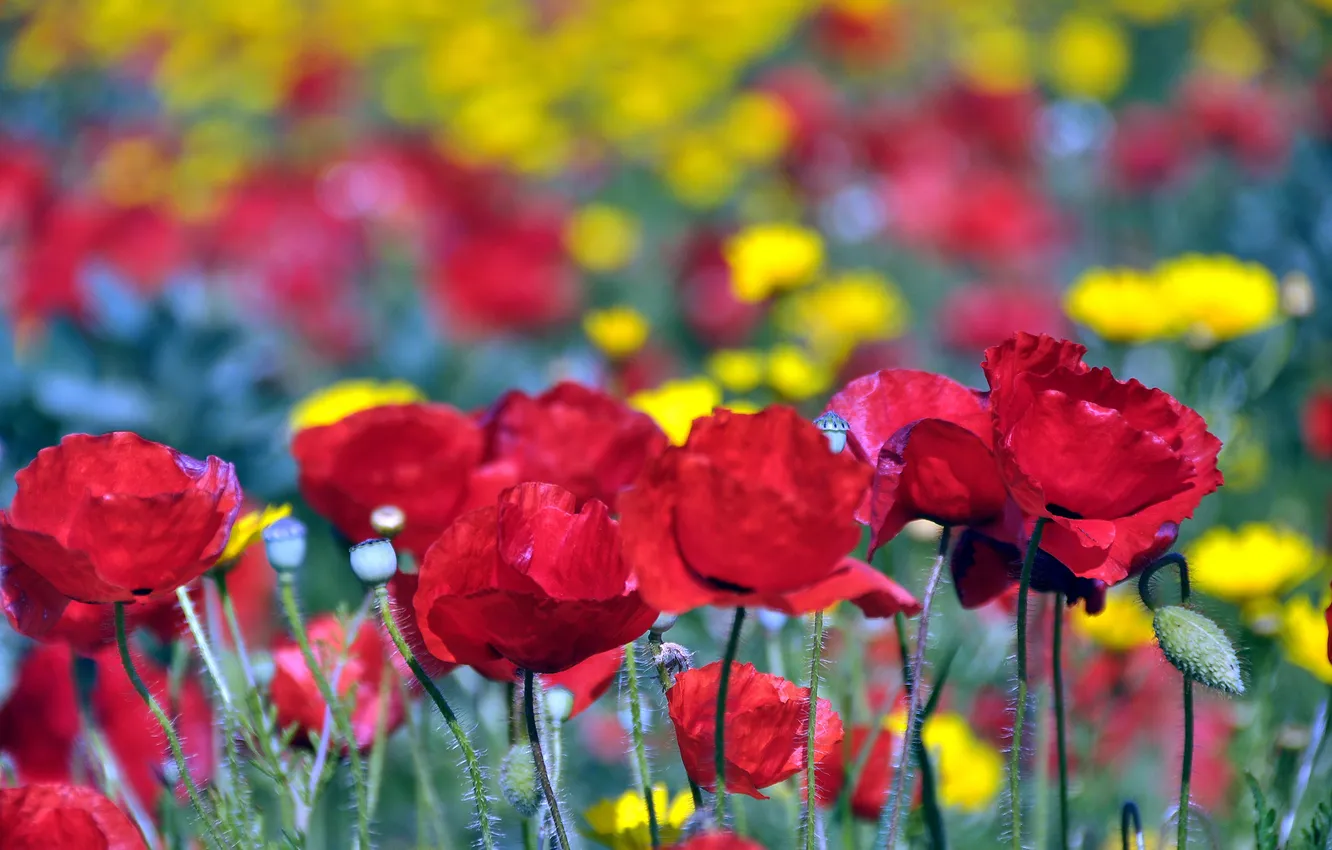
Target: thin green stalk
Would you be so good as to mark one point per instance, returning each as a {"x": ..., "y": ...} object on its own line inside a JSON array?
[
  {"x": 1020, "y": 711},
  {"x": 233, "y": 625},
  {"x": 205, "y": 648},
  {"x": 664, "y": 676},
  {"x": 377, "y": 750},
  {"x": 122, "y": 642},
  {"x": 811, "y": 809},
  {"x": 427, "y": 806},
  {"x": 723, "y": 685},
  {"x": 469, "y": 754},
  {"x": 640, "y": 749},
  {"x": 340, "y": 720},
  {"x": 1061, "y": 735},
  {"x": 552, "y": 803},
  {"x": 1186, "y": 768}
]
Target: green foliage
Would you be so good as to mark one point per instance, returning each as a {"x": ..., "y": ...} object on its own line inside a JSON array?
[{"x": 1265, "y": 818}]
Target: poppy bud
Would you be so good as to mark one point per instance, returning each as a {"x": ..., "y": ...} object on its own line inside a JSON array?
[
  {"x": 835, "y": 428},
  {"x": 374, "y": 561},
  {"x": 674, "y": 658},
  {"x": 1198, "y": 648},
  {"x": 663, "y": 623},
  {"x": 388, "y": 520},
  {"x": 518, "y": 780},
  {"x": 559, "y": 703},
  {"x": 1297, "y": 295},
  {"x": 284, "y": 542}
]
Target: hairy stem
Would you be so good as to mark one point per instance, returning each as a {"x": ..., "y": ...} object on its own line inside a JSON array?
[
  {"x": 1061, "y": 734},
  {"x": 1020, "y": 710},
  {"x": 815, "y": 657},
  {"x": 529, "y": 710},
  {"x": 723, "y": 685},
  {"x": 1186, "y": 767},
  {"x": 640, "y": 749}
]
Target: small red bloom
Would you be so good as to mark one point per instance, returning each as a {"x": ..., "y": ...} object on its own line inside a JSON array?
[
  {"x": 752, "y": 510},
  {"x": 1148, "y": 149},
  {"x": 871, "y": 789},
  {"x": 1318, "y": 424},
  {"x": 588, "y": 680},
  {"x": 296, "y": 696},
  {"x": 977, "y": 316},
  {"x": 64, "y": 817},
  {"x": 423, "y": 458},
  {"x": 1110, "y": 464},
  {"x": 114, "y": 518},
  {"x": 581, "y": 439},
  {"x": 530, "y": 580},
  {"x": 718, "y": 841},
  {"x": 765, "y": 727}
]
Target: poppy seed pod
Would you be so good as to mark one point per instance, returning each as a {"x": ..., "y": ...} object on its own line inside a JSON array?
[
  {"x": 560, "y": 703},
  {"x": 374, "y": 561},
  {"x": 388, "y": 520},
  {"x": 284, "y": 543},
  {"x": 518, "y": 780},
  {"x": 835, "y": 428},
  {"x": 1198, "y": 648},
  {"x": 675, "y": 659},
  {"x": 663, "y": 623}
]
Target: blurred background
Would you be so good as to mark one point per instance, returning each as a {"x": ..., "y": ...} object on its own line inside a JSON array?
[{"x": 210, "y": 209}]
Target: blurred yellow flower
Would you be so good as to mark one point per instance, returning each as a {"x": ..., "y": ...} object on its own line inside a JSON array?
[
  {"x": 1304, "y": 636},
  {"x": 617, "y": 331},
  {"x": 1244, "y": 458},
  {"x": 698, "y": 171},
  {"x": 739, "y": 370},
  {"x": 1256, "y": 560},
  {"x": 602, "y": 238},
  {"x": 756, "y": 128},
  {"x": 248, "y": 528},
  {"x": 995, "y": 58},
  {"x": 742, "y": 405},
  {"x": 1119, "y": 304},
  {"x": 1124, "y": 624},
  {"x": 622, "y": 823},
  {"x": 1149, "y": 11},
  {"x": 769, "y": 258},
  {"x": 795, "y": 375},
  {"x": 132, "y": 172},
  {"x": 676, "y": 404},
  {"x": 340, "y": 400},
  {"x": 1088, "y": 56},
  {"x": 1263, "y": 616},
  {"x": 854, "y": 307},
  {"x": 1229, "y": 46},
  {"x": 1218, "y": 297},
  {"x": 969, "y": 770}
]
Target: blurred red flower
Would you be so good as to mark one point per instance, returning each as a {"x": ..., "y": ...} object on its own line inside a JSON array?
[
  {"x": 765, "y": 720},
  {"x": 581, "y": 439},
  {"x": 1147, "y": 151},
  {"x": 1110, "y": 464},
  {"x": 423, "y": 458},
  {"x": 64, "y": 817},
  {"x": 986, "y": 568},
  {"x": 871, "y": 790},
  {"x": 113, "y": 518},
  {"x": 531, "y": 580},
  {"x": 718, "y": 841},
  {"x": 1239, "y": 117},
  {"x": 707, "y": 301},
  {"x": 589, "y": 679},
  {"x": 1318, "y": 423},
  {"x": 977, "y": 316},
  {"x": 754, "y": 509},
  {"x": 296, "y": 695}
]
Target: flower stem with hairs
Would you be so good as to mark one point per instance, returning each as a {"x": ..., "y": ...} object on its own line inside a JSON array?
[
  {"x": 1020, "y": 710},
  {"x": 724, "y": 683},
  {"x": 664, "y": 676},
  {"x": 205, "y": 648},
  {"x": 1186, "y": 767},
  {"x": 815, "y": 657},
  {"x": 529, "y": 710},
  {"x": 640, "y": 749},
  {"x": 1061, "y": 735}
]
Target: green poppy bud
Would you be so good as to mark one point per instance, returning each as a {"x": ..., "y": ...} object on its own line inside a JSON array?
[
  {"x": 518, "y": 780},
  {"x": 1198, "y": 648}
]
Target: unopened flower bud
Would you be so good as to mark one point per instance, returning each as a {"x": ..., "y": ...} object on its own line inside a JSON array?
[
  {"x": 663, "y": 623},
  {"x": 559, "y": 703},
  {"x": 388, "y": 520},
  {"x": 923, "y": 530},
  {"x": 1198, "y": 648},
  {"x": 374, "y": 561},
  {"x": 1297, "y": 295},
  {"x": 674, "y": 659},
  {"x": 284, "y": 542},
  {"x": 518, "y": 780},
  {"x": 771, "y": 621},
  {"x": 835, "y": 428}
]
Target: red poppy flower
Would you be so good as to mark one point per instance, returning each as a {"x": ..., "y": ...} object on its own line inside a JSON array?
[
  {"x": 296, "y": 696},
  {"x": 986, "y": 568},
  {"x": 64, "y": 817},
  {"x": 707, "y": 299},
  {"x": 530, "y": 580},
  {"x": 1328, "y": 615},
  {"x": 115, "y": 518},
  {"x": 718, "y": 841},
  {"x": 871, "y": 789},
  {"x": 977, "y": 316},
  {"x": 423, "y": 458},
  {"x": 765, "y": 727},
  {"x": 1110, "y": 464},
  {"x": 929, "y": 438},
  {"x": 589, "y": 679},
  {"x": 1148, "y": 149},
  {"x": 752, "y": 510},
  {"x": 88, "y": 628},
  {"x": 585, "y": 441},
  {"x": 1318, "y": 424}
]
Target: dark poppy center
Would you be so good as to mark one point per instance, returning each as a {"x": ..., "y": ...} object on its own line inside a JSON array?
[
  {"x": 1061, "y": 511},
  {"x": 142, "y": 591}
]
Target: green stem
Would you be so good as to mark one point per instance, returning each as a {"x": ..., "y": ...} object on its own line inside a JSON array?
[
  {"x": 552, "y": 803},
  {"x": 815, "y": 656},
  {"x": 1186, "y": 768},
  {"x": 377, "y": 750},
  {"x": 640, "y": 749},
  {"x": 122, "y": 642},
  {"x": 340, "y": 720},
  {"x": 1020, "y": 711},
  {"x": 233, "y": 625},
  {"x": 451, "y": 719},
  {"x": 723, "y": 685},
  {"x": 205, "y": 648},
  {"x": 1061, "y": 737},
  {"x": 664, "y": 676}
]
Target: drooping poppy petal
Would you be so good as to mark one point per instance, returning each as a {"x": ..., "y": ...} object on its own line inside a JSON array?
[
  {"x": 877, "y": 406},
  {"x": 64, "y": 817}
]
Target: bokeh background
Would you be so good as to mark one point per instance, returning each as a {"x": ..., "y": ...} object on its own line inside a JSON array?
[{"x": 210, "y": 209}]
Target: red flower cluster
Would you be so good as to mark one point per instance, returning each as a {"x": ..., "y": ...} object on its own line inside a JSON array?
[
  {"x": 871, "y": 790},
  {"x": 64, "y": 817}
]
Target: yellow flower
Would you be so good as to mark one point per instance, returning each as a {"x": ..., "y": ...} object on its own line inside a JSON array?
[
  {"x": 617, "y": 332},
  {"x": 742, "y": 405},
  {"x": 995, "y": 58},
  {"x": 247, "y": 529},
  {"x": 1149, "y": 11},
  {"x": 1089, "y": 56},
  {"x": 340, "y": 400},
  {"x": 795, "y": 375},
  {"x": 602, "y": 238},
  {"x": 1120, "y": 305},
  {"x": 969, "y": 771},
  {"x": 622, "y": 824},
  {"x": 739, "y": 370},
  {"x": 1304, "y": 636},
  {"x": 1123, "y": 625},
  {"x": 676, "y": 404},
  {"x": 1229, "y": 46},
  {"x": 1255, "y": 561},
  {"x": 756, "y": 128},
  {"x": 1244, "y": 459},
  {"x": 769, "y": 258},
  {"x": 1216, "y": 298},
  {"x": 853, "y": 308},
  {"x": 132, "y": 172},
  {"x": 698, "y": 171}
]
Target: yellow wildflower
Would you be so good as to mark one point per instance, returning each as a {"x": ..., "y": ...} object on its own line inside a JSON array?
[
  {"x": 1088, "y": 56},
  {"x": 1255, "y": 561},
  {"x": 676, "y": 404},
  {"x": 698, "y": 171},
  {"x": 602, "y": 238},
  {"x": 249, "y": 527},
  {"x": 1119, "y": 304},
  {"x": 739, "y": 370},
  {"x": 995, "y": 58},
  {"x": 622, "y": 823},
  {"x": 1229, "y": 46},
  {"x": 969, "y": 771},
  {"x": 617, "y": 332},
  {"x": 1218, "y": 297},
  {"x": 340, "y": 400},
  {"x": 853, "y": 308},
  {"x": 769, "y": 258},
  {"x": 796, "y": 375},
  {"x": 742, "y": 405},
  {"x": 1124, "y": 624},
  {"x": 756, "y": 128},
  {"x": 1304, "y": 636}
]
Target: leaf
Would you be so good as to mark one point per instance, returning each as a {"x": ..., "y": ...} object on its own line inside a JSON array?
[
  {"x": 1264, "y": 826},
  {"x": 1318, "y": 834}
]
